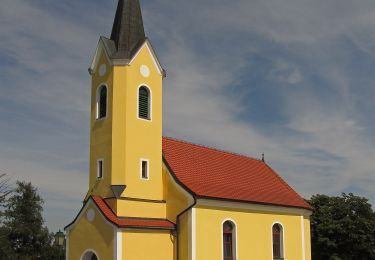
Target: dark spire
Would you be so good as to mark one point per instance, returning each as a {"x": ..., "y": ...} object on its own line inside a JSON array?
[{"x": 127, "y": 32}]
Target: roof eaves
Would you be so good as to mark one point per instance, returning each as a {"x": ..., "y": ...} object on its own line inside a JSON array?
[
  {"x": 254, "y": 202},
  {"x": 115, "y": 220}
]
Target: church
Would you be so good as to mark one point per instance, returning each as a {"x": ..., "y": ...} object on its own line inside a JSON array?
[{"x": 152, "y": 197}]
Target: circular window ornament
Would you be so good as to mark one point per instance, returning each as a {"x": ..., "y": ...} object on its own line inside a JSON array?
[
  {"x": 90, "y": 215},
  {"x": 145, "y": 71},
  {"x": 102, "y": 70}
]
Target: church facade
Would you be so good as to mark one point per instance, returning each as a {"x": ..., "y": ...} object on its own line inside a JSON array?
[{"x": 157, "y": 198}]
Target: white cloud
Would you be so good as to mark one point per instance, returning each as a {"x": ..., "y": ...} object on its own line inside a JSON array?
[
  {"x": 286, "y": 73},
  {"x": 209, "y": 51}
]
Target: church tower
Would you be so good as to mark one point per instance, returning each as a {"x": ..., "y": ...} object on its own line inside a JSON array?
[
  {"x": 157, "y": 198},
  {"x": 126, "y": 112}
]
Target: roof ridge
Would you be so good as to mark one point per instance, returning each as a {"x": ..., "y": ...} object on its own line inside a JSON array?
[{"x": 214, "y": 148}]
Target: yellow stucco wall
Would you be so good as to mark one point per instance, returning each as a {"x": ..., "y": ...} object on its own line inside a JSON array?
[
  {"x": 122, "y": 131},
  {"x": 97, "y": 235},
  {"x": 100, "y": 134},
  {"x": 177, "y": 199},
  {"x": 148, "y": 245},
  {"x": 141, "y": 209},
  {"x": 142, "y": 137},
  {"x": 253, "y": 231}
]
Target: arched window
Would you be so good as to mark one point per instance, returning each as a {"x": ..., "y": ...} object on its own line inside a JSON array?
[
  {"x": 89, "y": 255},
  {"x": 229, "y": 241},
  {"x": 277, "y": 241},
  {"x": 101, "y": 102},
  {"x": 144, "y": 101}
]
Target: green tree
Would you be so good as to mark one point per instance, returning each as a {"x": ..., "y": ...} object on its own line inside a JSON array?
[
  {"x": 342, "y": 228},
  {"x": 5, "y": 190},
  {"x": 23, "y": 228}
]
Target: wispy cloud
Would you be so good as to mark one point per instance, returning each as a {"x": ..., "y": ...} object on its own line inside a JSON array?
[{"x": 292, "y": 79}]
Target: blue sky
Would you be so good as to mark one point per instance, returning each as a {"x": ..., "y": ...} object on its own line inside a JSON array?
[{"x": 293, "y": 79}]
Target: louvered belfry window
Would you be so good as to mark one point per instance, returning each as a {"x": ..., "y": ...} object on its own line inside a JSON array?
[{"x": 144, "y": 103}]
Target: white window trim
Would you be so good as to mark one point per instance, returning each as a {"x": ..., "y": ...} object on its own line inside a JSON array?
[
  {"x": 150, "y": 99},
  {"x": 97, "y": 102},
  {"x": 89, "y": 250},
  {"x": 148, "y": 169},
  {"x": 97, "y": 169},
  {"x": 235, "y": 241},
  {"x": 282, "y": 241}
]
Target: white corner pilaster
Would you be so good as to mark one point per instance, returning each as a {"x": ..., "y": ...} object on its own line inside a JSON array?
[
  {"x": 303, "y": 238},
  {"x": 117, "y": 244},
  {"x": 193, "y": 234}
]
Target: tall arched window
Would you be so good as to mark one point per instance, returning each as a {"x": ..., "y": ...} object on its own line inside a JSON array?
[
  {"x": 89, "y": 255},
  {"x": 229, "y": 242},
  {"x": 277, "y": 241},
  {"x": 101, "y": 102},
  {"x": 144, "y": 101}
]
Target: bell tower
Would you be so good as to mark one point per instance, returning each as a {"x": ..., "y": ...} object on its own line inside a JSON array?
[{"x": 126, "y": 112}]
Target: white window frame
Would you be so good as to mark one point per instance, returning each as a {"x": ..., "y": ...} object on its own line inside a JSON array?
[
  {"x": 150, "y": 104},
  {"x": 97, "y": 169},
  {"x": 97, "y": 102},
  {"x": 89, "y": 251},
  {"x": 148, "y": 169},
  {"x": 282, "y": 239},
  {"x": 234, "y": 241}
]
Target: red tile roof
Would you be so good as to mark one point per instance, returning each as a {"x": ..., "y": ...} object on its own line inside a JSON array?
[
  {"x": 131, "y": 222},
  {"x": 217, "y": 174}
]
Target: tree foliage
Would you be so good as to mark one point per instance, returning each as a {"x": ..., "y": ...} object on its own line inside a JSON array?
[
  {"x": 342, "y": 228},
  {"x": 23, "y": 234},
  {"x": 5, "y": 190}
]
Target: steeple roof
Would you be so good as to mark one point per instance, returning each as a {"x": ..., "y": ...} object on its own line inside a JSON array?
[{"x": 128, "y": 31}]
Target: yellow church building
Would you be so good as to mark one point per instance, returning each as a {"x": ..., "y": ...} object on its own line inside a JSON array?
[{"x": 157, "y": 198}]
